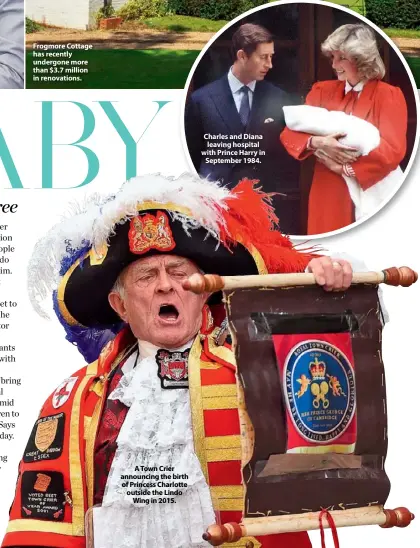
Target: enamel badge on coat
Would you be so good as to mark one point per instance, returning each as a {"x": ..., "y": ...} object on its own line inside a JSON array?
[
  {"x": 63, "y": 391},
  {"x": 173, "y": 368}
]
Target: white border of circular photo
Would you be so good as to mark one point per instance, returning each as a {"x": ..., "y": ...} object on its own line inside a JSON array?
[{"x": 385, "y": 201}]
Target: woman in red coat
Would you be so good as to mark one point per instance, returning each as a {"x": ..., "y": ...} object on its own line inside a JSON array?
[{"x": 359, "y": 91}]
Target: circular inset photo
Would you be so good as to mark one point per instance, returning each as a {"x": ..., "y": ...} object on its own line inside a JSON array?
[{"x": 313, "y": 101}]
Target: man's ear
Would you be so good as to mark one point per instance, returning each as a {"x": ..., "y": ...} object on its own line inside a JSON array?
[
  {"x": 241, "y": 55},
  {"x": 117, "y": 304}
]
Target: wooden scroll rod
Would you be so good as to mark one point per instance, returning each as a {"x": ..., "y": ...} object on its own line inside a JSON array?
[
  {"x": 199, "y": 283},
  {"x": 254, "y": 527}
]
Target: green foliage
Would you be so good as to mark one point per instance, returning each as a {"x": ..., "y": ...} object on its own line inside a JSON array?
[
  {"x": 355, "y": 5},
  {"x": 143, "y": 9},
  {"x": 31, "y": 26},
  {"x": 408, "y": 14},
  {"x": 104, "y": 13},
  {"x": 213, "y": 9},
  {"x": 184, "y": 23},
  {"x": 403, "y": 14},
  {"x": 402, "y": 33},
  {"x": 185, "y": 7}
]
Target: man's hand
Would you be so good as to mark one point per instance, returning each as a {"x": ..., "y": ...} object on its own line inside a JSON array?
[
  {"x": 331, "y": 274},
  {"x": 331, "y": 146}
]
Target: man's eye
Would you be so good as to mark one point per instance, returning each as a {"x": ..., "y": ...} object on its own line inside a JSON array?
[
  {"x": 144, "y": 278},
  {"x": 179, "y": 274}
]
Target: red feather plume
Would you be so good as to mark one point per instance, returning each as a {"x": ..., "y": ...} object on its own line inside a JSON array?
[{"x": 250, "y": 219}]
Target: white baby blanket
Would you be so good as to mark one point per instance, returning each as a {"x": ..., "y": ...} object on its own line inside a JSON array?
[{"x": 359, "y": 134}]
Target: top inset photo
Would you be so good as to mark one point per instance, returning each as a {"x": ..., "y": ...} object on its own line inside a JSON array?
[{"x": 313, "y": 101}]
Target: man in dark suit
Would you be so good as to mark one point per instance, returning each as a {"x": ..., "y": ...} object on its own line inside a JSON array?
[{"x": 233, "y": 125}]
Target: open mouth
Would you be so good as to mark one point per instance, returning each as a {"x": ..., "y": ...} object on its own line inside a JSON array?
[{"x": 168, "y": 313}]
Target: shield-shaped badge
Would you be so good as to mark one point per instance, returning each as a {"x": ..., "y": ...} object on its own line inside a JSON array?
[
  {"x": 45, "y": 434},
  {"x": 63, "y": 391},
  {"x": 172, "y": 368},
  {"x": 177, "y": 369}
]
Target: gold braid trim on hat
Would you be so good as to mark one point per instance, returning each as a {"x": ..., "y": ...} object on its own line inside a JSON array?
[{"x": 61, "y": 290}]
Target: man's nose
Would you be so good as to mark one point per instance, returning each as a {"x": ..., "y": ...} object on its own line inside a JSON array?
[
  {"x": 164, "y": 282},
  {"x": 269, "y": 64}
]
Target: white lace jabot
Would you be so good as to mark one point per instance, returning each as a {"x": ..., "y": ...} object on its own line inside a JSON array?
[{"x": 156, "y": 494}]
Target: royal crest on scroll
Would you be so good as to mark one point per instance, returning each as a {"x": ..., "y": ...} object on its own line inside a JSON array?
[{"x": 320, "y": 390}]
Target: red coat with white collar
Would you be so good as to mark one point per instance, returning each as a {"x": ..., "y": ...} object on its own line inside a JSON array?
[{"x": 384, "y": 106}]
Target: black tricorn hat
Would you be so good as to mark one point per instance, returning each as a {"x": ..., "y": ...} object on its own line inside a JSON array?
[{"x": 226, "y": 232}]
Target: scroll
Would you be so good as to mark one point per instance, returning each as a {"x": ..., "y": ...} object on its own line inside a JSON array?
[{"x": 310, "y": 365}]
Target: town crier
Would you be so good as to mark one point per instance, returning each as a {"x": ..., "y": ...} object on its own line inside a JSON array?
[{"x": 146, "y": 439}]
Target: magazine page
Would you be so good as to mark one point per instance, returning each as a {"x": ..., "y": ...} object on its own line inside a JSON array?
[{"x": 208, "y": 267}]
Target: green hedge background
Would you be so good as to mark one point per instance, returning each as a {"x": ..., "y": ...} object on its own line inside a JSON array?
[
  {"x": 403, "y": 14},
  {"x": 213, "y": 9}
]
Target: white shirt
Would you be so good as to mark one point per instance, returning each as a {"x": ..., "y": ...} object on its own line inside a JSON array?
[
  {"x": 358, "y": 87},
  {"x": 235, "y": 86}
]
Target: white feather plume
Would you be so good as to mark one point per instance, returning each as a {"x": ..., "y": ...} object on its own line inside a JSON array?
[{"x": 93, "y": 222}]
